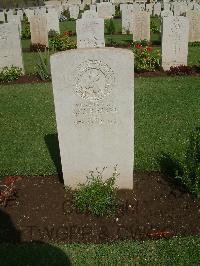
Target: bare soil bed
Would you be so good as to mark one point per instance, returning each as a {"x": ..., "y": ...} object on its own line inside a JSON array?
[{"x": 43, "y": 211}]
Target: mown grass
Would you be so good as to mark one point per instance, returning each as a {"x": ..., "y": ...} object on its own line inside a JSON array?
[
  {"x": 166, "y": 111},
  {"x": 175, "y": 251}
]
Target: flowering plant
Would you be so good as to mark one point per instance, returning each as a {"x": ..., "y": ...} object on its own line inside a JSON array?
[
  {"x": 62, "y": 42},
  {"x": 146, "y": 58}
]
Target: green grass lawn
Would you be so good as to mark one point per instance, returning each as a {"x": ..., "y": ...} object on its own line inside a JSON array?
[
  {"x": 166, "y": 111},
  {"x": 175, "y": 251}
]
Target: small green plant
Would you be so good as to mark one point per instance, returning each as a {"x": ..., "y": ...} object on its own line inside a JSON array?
[
  {"x": 194, "y": 44},
  {"x": 8, "y": 74},
  {"x": 117, "y": 12},
  {"x": 146, "y": 58},
  {"x": 52, "y": 33},
  {"x": 97, "y": 196},
  {"x": 154, "y": 28},
  {"x": 191, "y": 167},
  {"x": 110, "y": 26},
  {"x": 26, "y": 33},
  {"x": 61, "y": 42},
  {"x": 86, "y": 7},
  {"x": 43, "y": 65}
]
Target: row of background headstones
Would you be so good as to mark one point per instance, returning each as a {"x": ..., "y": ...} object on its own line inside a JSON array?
[
  {"x": 90, "y": 33},
  {"x": 107, "y": 10}
]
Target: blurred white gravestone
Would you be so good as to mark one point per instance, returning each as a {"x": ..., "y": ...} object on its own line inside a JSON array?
[
  {"x": 90, "y": 32},
  {"x": 2, "y": 17},
  {"x": 127, "y": 18},
  {"x": 141, "y": 26},
  {"x": 194, "y": 25},
  {"x": 105, "y": 10},
  {"x": 10, "y": 46},
  {"x": 94, "y": 98},
  {"x": 39, "y": 31},
  {"x": 175, "y": 34},
  {"x": 74, "y": 11},
  {"x": 53, "y": 21}
]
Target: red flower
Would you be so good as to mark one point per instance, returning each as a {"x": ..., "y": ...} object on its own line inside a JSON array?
[
  {"x": 149, "y": 49},
  {"x": 138, "y": 46}
]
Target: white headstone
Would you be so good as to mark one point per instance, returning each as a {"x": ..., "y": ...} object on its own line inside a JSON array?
[
  {"x": 175, "y": 35},
  {"x": 194, "y": 25},
  {"x": 15, "y": 19},
  {"x": 89, "y": 14},
  {"x": 74, "y": 11},
  {"x": 166, "y": 13},
  {"x": 141, "y": 26},
  {"x": 53, "y": 21},
  {"x": 127, "y": 18},
  {"x": 94, "y": 98},
  {"x": 149, "y": 8},
  {"x": 10, "y": 46},
  {"x": 90, "y": 32},
  {"x": 93, "y": 7},
  {"x": 157, "y": 9},
  {"x": 29, "y": 13},
  {"x": 105, "y": 10},
  {"x": 2, "y": 17},
  {"x": 39, "y": 30}
]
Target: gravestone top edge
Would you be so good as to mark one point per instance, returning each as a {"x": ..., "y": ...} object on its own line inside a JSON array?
[{"x": 82, "y": 50}]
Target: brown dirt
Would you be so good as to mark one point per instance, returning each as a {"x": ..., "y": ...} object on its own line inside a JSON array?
[{"x": 43, "y": 211}]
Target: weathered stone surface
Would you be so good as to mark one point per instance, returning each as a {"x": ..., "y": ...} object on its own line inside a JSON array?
[
  {"x": 89, "y": 14},
  {"x": 29, "y": 13},
  {"x": 141, "y": 26},
  {"x": 127, "y": 18},
  {"x": 10, "y": 46},
  {"x": 74, "y": 11},
  {"x": 157, "y": 9},
  {"x": 194, "y": 25},
  {"x": 2, "y": 17},
  {"x": 94, "y": 98},
  {"x": 105, "y": 10},
  {"x": 175, "y": 34},
  {"x": 166, "y": 13},
  {"x": 39, "y": 30},
  {"x": 53, "y": 21},
  {"x": 90, "y": 32}
]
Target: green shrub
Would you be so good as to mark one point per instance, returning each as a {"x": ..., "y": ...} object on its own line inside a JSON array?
[
  {"x": 52, "y": 33},
  {"x": 97, "y": 196},
  {"x": 194, "y": 44},
  {"x": 191, "y": 167},
  {"x": 110, "y": 26},
  {"x": 86, "y": 7},
  {"x": 146, "y": 58},
  {"x": 43, "y": 65},
  {"x": 26, "y": 33},
  {"x": 154, "y": 28},
  {"x": 61, "y": 42},
  {"x": 117, "y": 12},
  {"x": 66, "y": 13},
  {"x": 8, "y": 74}
]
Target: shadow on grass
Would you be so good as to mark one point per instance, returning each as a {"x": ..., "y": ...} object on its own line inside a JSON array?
[
  {"x": 171, "y": 168},
  {"x": 51, "y": 141},
  {"x": 26, "y": 253}
]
